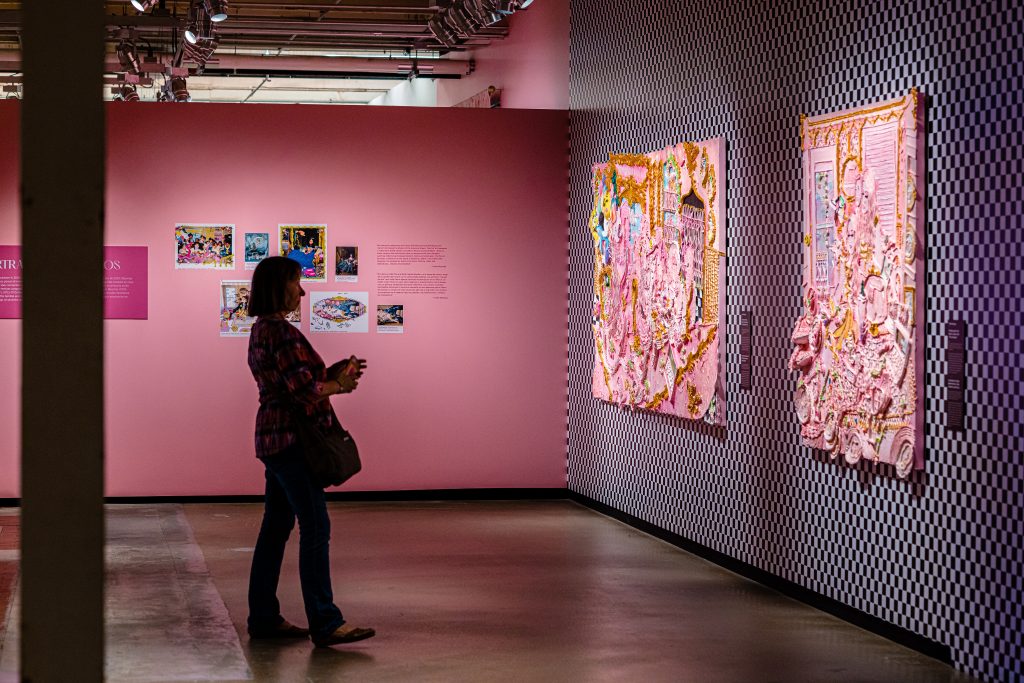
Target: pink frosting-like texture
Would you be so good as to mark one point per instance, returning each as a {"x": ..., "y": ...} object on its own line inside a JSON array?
[
  {"x": 658, "y": 229},
  {"x": 857, "y": 346}
]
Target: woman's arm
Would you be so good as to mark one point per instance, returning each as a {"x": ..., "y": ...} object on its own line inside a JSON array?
[{"x": 342, "y": 385}]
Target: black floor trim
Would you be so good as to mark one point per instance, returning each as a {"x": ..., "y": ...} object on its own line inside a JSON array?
[
  {"x": 816, "y": 600},
  {"x": 353, "y": 496}
]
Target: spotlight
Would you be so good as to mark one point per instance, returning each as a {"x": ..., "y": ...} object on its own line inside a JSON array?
[
  {"x": 192, "y": 32},
  {"x": 441, "y": 31},
  {"x": 179, "y": 90},
  {"x": 217, "y": 9},
  {"x": 461, "y": 21},
  {"x": 143, "y": 5},
  {"x": 128, "y": 93},
  {"x": 128, "y": 56},
  {"x": 524, "y": 4}
]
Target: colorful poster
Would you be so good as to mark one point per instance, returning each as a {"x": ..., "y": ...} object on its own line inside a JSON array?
[
  {"x": 390, "y": 318},
  {"x": 858, "y": 346},
  {"x": 234, "y": 308},
  {"x": 307, "y": 245},
  {"x": 658, "y": 228},
  {"x": 257, "y": 248},
  {"x": 346, "y": 264},
  {"x": 125, "y": 282},
  {"x": 295, "y": 317},
  {"x": 339, "y": 312},
  {"x": 204, "y": 246}
]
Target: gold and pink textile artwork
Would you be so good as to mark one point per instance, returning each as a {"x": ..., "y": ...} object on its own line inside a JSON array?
[
  {"x": 658, "y": 228},
  {"x": 858, "y": 347}
]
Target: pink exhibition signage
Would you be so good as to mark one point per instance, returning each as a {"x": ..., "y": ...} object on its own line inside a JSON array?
[
  {"x": 125, "y": 282},
  {"x": 10, "y": 281}
]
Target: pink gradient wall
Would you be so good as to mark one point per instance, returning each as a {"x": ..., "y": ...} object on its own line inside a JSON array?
[
  {"x": 471, "y": 395},
  {"x": 531, "y": 66}
]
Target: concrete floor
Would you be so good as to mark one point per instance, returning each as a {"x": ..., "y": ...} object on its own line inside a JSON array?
[{"x": 464, "y": 591}]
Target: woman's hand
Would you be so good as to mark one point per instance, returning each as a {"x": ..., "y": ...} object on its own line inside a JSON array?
[
  {"x": 347, "y": 383},
  {"x": 351, "y": 366}
]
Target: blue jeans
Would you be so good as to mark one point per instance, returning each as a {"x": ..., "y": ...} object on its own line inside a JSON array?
[{"x": 292, "y": 493}]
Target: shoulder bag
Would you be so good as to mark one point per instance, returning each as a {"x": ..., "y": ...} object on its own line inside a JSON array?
[{"x": 331, "y": 454}]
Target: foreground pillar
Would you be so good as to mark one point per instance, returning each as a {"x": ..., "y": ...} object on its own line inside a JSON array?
[{"x": 62, "y": 175}]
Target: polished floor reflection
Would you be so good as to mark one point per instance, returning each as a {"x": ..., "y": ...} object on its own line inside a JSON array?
[{"x": 464, "y": 591}]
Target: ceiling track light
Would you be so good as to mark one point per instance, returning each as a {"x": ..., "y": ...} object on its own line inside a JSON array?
[
  {"x": 216, "y": 9},
  {"x": 177, "y": 90},
  {"x": 441, "y": 31},
  {"x": 128, "y": 93},
  {"x": 202, "y": 51},
  {"x": 128, "y": 56},
  {"x": 199, "y": 26},
  {"x": 143, "y": 5}
]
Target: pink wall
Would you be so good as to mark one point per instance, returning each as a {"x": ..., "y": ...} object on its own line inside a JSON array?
[
  {"x": 531, "y": 66},
  {"x": 472, "y": 395}
]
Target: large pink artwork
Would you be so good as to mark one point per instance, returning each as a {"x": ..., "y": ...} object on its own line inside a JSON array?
[
  {"x": 858, "y": 347},
  {"x": 658, "y": 228}
]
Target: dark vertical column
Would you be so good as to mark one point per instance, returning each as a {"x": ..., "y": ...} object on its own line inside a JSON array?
[{"x": 62, "y": 175}]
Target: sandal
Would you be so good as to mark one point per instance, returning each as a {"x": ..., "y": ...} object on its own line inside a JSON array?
[{"x": 344, "y": 634}]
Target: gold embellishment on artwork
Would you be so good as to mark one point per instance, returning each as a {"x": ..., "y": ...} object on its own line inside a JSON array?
[
  {"x": 629, "y": 159},
  {"x": 658, "y": 399},
  {"x": 845, "y": 329},
  {"x": 604, "y": 367},
  {"x": 606, "y": 271},
  {"x": 912, "y": 292},
  {"x": 693, "y": 358},
  {"x": 693, "y": 405},
  {"x": 634, "y": 192},
  {"x": 710, "y": 285},
  {"x": 807, "y": 240},
  {"x": 864, "y": 113},
  {"x": 686, "y": 331},
  {"x": 911, "y": 193},
  {"x": 692, "y": 152}
]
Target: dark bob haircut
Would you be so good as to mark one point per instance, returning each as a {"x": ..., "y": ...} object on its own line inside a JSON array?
[{"x": 269, "y": 279}]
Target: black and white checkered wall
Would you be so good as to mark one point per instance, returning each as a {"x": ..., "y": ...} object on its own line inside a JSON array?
[{"x": 942, "y": 554}]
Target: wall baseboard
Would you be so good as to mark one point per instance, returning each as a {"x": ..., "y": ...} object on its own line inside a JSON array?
[{"x": 347, "y": 496}]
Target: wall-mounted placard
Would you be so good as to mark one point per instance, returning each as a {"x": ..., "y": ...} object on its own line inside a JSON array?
[
  {"x": 956, "y": 362},
  {"x": 745, "y": 324}
]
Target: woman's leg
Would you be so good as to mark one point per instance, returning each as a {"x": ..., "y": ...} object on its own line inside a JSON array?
[
  {"x": 278, "y": 521},
  {"x": 307, "y": 501}
]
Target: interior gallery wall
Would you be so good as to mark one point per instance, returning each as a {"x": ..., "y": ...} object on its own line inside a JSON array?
[
  {"x": 940, "y": 554},
  {"x": 471, "y": 395}
]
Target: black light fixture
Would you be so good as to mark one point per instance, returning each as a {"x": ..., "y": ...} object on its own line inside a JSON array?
[
  {"x": 143, "y": 5},
  {"x": 198, "y": 26},
  {"x": 441, "y": 31},
  {"x": 217, "y": 9},
  {"x": 128, "y": 56},
  {"x": 128, "y": 93}
]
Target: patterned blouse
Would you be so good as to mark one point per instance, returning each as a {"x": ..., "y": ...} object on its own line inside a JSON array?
[{"x": 288, "y": 372}]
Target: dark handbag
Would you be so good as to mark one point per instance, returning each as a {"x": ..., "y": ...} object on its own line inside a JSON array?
[{"x": 331, "y": 454}]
